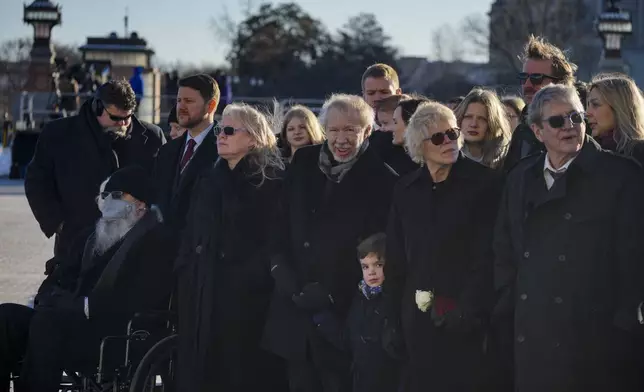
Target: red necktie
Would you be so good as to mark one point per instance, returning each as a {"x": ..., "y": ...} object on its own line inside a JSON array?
[{"x": 188, "y": 154}]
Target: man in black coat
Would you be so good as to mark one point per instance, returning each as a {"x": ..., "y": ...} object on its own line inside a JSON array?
[
  {"x": 126, "y": 268},
  {"x": 569, "y": 251},
  {"x": 75, "y": 154},
  {"x": 336, "y": 195},
  {"x": 543, "y": 64},
  {"x": 182, "y": 159}
]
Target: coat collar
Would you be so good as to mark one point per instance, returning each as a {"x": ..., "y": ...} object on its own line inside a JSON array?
[
  {"x": 585, "y": 162},
  {"x": 460, "y": 169}
]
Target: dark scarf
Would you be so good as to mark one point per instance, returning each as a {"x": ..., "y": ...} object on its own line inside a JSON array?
[
  {"x": 607, "y": 141},
  {"x": 369, "y": 292},
  {"x": 333, "y": 170}
]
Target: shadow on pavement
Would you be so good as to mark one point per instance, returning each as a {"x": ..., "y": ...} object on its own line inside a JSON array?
[{"x": 11, "y": 187}]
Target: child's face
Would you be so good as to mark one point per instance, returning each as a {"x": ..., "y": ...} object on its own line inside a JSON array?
[{"x": 372, "y": 270}]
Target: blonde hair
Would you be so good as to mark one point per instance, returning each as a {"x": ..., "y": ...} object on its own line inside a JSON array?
[
  {"x": 313, "y": 126},
  {"x": 625, "y": 99},
  {"x": 264, "y": 155},
  {"x": 497, "y": 138},
  {"x": 347, "y": 103},
  {"x": 428, "y": 115},
  {"x": 538, "y": 48}
]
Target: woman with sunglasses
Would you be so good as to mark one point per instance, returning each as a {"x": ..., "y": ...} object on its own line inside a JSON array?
[
  {"x": 439, "y": 255},
  {"x": 300, "y": 128},
  {"x": 615, "y": 114},
  {"x": 485, "y": 127},
  {"x": 223, "y": 267}
]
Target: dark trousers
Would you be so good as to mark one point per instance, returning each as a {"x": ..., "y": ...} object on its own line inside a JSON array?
[
  {"x": 58, "y": 341},
  {"x": 305, "y": 376},
  {"x": 14, "y": 333},
  {"x": 43, "y": 343}
]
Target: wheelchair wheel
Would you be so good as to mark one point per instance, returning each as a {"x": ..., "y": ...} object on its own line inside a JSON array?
[{"x": 156, "y": 371}]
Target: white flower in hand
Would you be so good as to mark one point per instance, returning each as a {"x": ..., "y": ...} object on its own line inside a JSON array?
[{"x": 424, "y": 300}]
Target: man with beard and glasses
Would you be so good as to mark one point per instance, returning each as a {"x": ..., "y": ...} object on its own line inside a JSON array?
[
  {"x": 543, "y": 64},
  {"x": 126, "y": 268},
  {"x": 182, "y": 159},
  {"x": 75, "y": 154}
]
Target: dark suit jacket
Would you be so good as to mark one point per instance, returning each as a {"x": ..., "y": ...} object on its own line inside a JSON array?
[{"x": 174, "y": 189}]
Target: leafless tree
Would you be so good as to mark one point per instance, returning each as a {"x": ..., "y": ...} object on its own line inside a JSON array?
[
  {"x": 565, "y": 23},
  {"x": 224, "y": 25},
  {"x": 447, "y": 45}
]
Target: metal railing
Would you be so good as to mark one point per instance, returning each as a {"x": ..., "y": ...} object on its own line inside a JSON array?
[{"x": 35, "y": 107}]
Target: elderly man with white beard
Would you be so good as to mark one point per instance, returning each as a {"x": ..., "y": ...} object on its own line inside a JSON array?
[{"x": 126, "y": 267}]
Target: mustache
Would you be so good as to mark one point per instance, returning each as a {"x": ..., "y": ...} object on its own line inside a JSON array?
[{"x": 110, "y": 231}]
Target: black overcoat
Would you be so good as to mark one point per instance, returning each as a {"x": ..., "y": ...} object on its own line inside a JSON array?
[
  {"x": 224, "y": 282},
  {"x": 439, "y": 239},
  {"x": 568, "y": 268},
  {"x": 73, "y": 157},
  {"x": 322, "y": 224}
]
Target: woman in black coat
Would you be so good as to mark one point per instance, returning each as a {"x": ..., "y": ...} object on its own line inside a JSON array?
[
  {"x": 439, "y": 259},
  {"x": 224, "y": 281}
]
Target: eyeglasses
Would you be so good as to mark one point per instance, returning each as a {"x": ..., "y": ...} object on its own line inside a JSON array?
[
  {"x": 118, "y": 118},
  {"x": 116, "y": 195},
  {"x": 535, "y": 78},
  {"x": 560, "y": 120},
  {"x": 228, "y": 131},
  {"x": 439, "y": 137}
]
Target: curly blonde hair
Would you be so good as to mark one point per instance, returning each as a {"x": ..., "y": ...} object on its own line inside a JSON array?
[{"x": 427, "y": 115}]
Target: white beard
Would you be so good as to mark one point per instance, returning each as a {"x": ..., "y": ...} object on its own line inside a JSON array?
[{"x": 109, "y": 232}]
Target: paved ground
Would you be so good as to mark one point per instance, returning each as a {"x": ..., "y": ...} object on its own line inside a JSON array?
[{"x": 23, "y": 247}]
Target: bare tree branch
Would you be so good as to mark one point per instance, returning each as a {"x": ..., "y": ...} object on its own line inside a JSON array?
[{"x": 562, "y": 22}]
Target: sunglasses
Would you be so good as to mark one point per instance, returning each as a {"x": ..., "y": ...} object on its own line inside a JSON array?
[
  {"x": 560, "y": 120},
  {"x": 439, "y": 137},
  {"x": 116, "y": 195},
  {"x": 535, "y": 78},
  {"x": 228, "y": 131},
  {"x": 117, "y": 118}
]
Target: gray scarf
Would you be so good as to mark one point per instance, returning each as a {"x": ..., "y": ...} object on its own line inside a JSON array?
[{"x": 336, "y": 172}]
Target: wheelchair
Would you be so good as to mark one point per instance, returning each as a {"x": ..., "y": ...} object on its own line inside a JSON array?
[{"x": 148, "y": 359}]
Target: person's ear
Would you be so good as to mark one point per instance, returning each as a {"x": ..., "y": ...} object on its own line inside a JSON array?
[
  {"x": 212, "y": 105},
  {"x": 538, "y": 132}
]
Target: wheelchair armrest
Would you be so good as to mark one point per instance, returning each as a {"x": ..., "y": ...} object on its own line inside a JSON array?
[{"x": 163, "y": 316}]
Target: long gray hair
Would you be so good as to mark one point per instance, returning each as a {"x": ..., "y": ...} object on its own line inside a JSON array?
[{"x": 264, "y": 155}]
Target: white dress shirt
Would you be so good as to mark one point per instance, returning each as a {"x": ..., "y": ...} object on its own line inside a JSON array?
[
  {"x": 548, "y": 166},
  {"x": 198, "y": 139}
]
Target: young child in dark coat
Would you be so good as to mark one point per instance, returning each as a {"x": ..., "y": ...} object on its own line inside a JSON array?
[{"x": 370, "y": 334}]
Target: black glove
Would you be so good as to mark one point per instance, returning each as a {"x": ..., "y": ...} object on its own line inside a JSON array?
[
  {"x": 62, "y": 300},
  {"x": 313, "y": 297},
  {"x": 457, "y": 320},
  {"x": 285, "y": 280}
]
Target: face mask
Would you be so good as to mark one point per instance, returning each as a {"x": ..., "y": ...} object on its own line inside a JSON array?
[{"x": 113, "y": 209}]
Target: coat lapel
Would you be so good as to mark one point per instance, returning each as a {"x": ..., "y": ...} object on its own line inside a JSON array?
[{"x": 206, "y": 155}]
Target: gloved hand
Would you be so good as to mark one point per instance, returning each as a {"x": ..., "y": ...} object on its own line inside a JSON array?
[
  {"x": 314, "y": 297},
  {"x": 456, "y": 320},
  {"x": 285, "y": 279}
]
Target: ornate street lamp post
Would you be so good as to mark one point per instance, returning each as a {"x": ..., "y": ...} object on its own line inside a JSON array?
[{"x": 612, "y": 26}]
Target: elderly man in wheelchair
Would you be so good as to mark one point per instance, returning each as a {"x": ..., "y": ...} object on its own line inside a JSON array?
[{"x": 125, "y": 268}]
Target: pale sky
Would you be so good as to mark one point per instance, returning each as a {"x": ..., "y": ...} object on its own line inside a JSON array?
[{"x": 180, "y": 30}]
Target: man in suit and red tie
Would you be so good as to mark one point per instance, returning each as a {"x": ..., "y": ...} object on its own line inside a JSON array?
[{"x": 182, "y": 159}]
